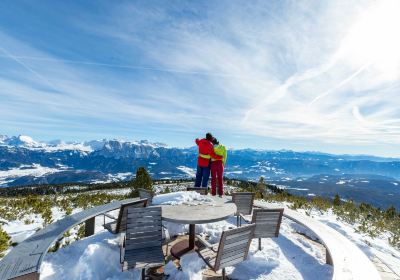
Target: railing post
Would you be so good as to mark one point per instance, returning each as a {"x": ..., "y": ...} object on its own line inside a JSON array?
[
  {"x": 328, "y": 257},
  {"x": 89, "y": 227}
]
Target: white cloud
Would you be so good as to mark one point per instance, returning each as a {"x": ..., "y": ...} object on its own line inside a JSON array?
[{"x": 287, "y": 70}]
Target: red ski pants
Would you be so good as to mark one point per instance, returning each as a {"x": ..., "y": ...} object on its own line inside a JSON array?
[{"x": 217, "y": 171}]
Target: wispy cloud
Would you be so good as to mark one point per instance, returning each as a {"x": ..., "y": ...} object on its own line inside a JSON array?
[{"x": 283, "y": 70}]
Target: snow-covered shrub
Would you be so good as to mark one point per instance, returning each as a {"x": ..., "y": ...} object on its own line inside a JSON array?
[{"x": 4, "y": 241}]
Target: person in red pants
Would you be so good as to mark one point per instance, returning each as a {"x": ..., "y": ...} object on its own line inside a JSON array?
[{"x": 217, "y": 169}]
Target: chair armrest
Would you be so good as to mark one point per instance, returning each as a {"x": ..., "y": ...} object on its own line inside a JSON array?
[
  {"x": 166, "y": 233},
  {"x": 109, "y": 216},
  {"x": 206, "y": 243},
  {"x": 247, "y": 218}
]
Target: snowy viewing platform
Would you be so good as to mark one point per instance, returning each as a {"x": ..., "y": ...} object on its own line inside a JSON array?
[{"x": 305, "y": 248}]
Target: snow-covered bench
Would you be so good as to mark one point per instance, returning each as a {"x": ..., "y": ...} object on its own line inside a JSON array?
[
  {"x": 348, "y": 261},
  {"x": 24, "y": 261}
]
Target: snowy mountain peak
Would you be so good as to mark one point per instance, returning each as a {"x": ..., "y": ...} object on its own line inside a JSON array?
[
  {"x": 113, "y": 145},
  {"x": 20, "y": 141},
  {"x": 95, "y": 145}
]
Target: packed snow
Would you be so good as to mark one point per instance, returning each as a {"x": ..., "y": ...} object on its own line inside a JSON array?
[{"x": 176, "y": 198}]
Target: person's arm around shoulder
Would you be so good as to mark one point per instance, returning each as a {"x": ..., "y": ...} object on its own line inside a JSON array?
[{"x": 212, "y": 154}]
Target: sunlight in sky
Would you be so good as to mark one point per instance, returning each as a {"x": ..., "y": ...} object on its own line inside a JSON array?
[{"x": 375, "y": 37}]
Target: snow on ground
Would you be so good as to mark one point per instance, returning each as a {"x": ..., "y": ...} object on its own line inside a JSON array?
[
  {"x": 297, "y": 189},
  {"x": 187, "y": 170},
  {"x": 290, "y": 256},
  {"x": 35, "y": 170},
  {"x": 295, "y": 254},
  {"x": 377, "y": 247},
  {"x": 176, "y": 198},
  {"x": 96, "y": 257}
]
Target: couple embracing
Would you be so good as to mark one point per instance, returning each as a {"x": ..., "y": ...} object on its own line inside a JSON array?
[{"x": 211, "y": 159}]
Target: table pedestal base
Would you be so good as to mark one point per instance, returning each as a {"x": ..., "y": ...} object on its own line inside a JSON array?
[{"x": 180, "y": 248}]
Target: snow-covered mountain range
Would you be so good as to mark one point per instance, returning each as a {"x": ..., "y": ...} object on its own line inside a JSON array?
[{"x": 26, "y": 161}]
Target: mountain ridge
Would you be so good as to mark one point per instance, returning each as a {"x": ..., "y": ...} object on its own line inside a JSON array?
[{"x": 28, "y": 162}]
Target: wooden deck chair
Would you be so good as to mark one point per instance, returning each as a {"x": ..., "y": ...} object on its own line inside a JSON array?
[
  {"x": 233, "y": 248},
  {"x": 268, "y": 223},
  {"x": 118, "y": 224},
  {"x": 142, "y": 245},
  {"x": 244, "y": 203},
  {"x": 146, "y": 194},
  {"x": 202, "y": 191}
]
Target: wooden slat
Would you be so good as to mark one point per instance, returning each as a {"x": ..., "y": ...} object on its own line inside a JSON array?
[
  {"x": 144, "y": 219},
  {"x": 141, "y": 225},
  {"x": 231, "y": 262},
  {"x": 267, "y": 222},
  {"x": 143, "y": 253},
  {"x": 155, "y": 231},
  {"x": 134, "y": 240},
  {"x": 244, "y": 202},
  {"x": 237, "y": 234},
  {"x": 228, "y": 246},
  {"x": 239, "y": 238},
  {"x": 237, "y": 251},
  {"x": 236, "y": 246},
  {"x": 142, "y": 229},
  {"x": 208, "y": 253},
  {"x": 270, "y": 218},
  {"x": 135, "y": 245}
]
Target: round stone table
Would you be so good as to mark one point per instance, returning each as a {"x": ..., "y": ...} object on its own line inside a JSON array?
[{"x": 217, "y": 210}]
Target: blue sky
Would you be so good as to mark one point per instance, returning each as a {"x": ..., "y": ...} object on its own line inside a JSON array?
[{"x": 303, "y": 75}]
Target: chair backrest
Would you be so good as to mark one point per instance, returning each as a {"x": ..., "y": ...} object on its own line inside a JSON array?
[
  {"x": 123, "y": 213},
  {"x": 244, "y": 202},
  {"x": 143, "y": 228},
  {"x": 267, "y": 221},
  {"x": 234, "y": 246},
  {"x": 202, "y": 191},
  {"x": 143, "y": 193}
]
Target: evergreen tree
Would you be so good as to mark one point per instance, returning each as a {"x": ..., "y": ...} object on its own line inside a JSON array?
[
  {"x": 261, "y": 187},
  {"x": 142, "y": 181},
  {"x": 390, "y": 213},
  {"x": 336, "y": 200}
]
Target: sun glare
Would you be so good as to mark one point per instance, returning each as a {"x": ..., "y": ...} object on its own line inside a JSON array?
[{"x": 375, "y": 37}]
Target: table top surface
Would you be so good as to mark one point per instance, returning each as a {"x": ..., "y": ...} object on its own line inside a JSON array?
[{"x": 217, "y": 210}]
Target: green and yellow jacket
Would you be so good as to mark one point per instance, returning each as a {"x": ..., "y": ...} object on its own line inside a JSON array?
[{"x": 220, "y": 150}]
